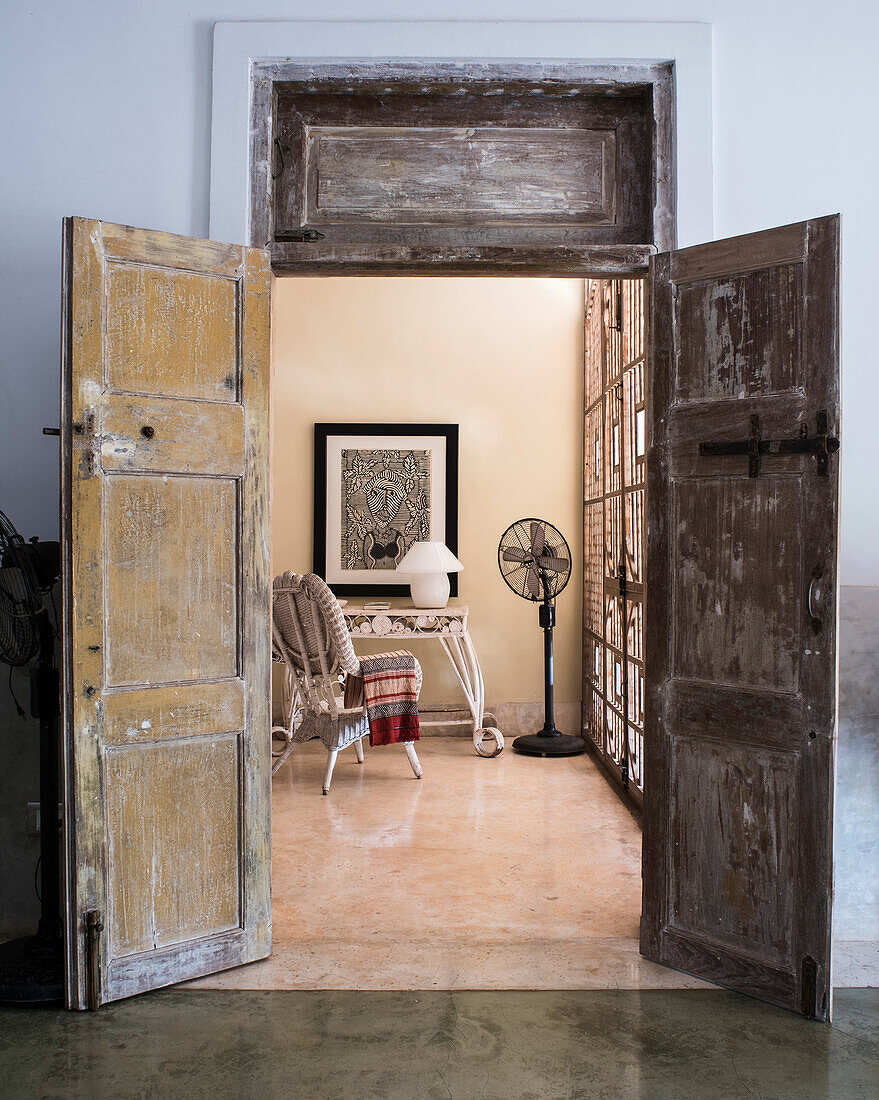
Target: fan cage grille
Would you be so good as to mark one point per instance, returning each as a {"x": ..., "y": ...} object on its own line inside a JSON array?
[
  {"x": 20, "y": 601},
  {"x": 520, "y": 574}
]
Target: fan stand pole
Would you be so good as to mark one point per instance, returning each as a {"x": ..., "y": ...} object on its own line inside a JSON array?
[
  {"x": 31, "y": 969},
  {"x": 549, "y": 741},
  {"x": 547, "y": 622}
]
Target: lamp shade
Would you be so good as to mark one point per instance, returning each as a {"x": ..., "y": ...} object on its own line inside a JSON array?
[{"x": 429, "y": 557}]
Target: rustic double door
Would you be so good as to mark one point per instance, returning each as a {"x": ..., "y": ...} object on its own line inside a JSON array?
[{"x": 166, "y": 610}]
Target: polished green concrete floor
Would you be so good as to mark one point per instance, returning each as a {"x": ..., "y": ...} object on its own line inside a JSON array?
[{"x": 395, "y": 1046}]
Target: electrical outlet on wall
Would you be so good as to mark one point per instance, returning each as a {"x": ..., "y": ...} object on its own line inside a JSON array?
[{"x": 33, "y": 817}]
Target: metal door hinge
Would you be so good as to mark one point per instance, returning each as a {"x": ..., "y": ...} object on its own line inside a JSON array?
[
  {"x": 87, "y": 426},
  {"x": 809, "y": 988},
  {"x": 299, "y": 236},
  {"x": 821, "y": 445},
  {"x": 617, "y": 325},
  {"x": 78, "y": 429},
  {"x": 280, "y": 149},
  {"x": 94, "y": 925}
]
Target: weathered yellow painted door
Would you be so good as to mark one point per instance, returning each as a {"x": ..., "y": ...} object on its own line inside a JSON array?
[{"x": 165, "y": 443}]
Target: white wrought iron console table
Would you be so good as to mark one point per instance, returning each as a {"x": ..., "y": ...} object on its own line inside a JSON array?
[{"x": 448, "y": 626}]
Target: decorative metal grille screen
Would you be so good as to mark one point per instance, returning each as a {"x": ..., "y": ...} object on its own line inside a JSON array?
[{"x": 614, "y": 489}]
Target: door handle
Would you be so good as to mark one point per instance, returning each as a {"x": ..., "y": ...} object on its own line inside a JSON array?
[{"x": 814, "y": 596}]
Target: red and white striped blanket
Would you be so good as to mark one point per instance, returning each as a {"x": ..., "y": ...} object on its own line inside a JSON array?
[{"x": 390, "y": 694}]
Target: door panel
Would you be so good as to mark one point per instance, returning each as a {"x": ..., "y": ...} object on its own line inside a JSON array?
[
  {"x": 722, "y": 357},
  {"x": 146, "y": 829},
  {"x": 196, "y": 437},
  {"x": 376, "y": 173},
  {"x": 724, "y": 881},
  {"x": 165, "y": 472},
  {"x": 181, "y": 710},
  {"x": 741, "y": 637},
  {"x": 733, "y": 623},
  {"x": 171, "y": 579},
  {"x": 182, "y": 322}
]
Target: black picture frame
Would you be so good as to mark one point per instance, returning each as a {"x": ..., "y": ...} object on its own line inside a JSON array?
[{"x": 323, "y": 435}]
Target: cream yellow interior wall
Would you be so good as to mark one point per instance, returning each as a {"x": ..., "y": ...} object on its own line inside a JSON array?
[{"x": 502, "y": 358}]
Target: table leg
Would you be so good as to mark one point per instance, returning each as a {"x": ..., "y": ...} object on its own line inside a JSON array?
[
  {"x": 452, "y": 645},
  {"x": 462, "y": 655}
]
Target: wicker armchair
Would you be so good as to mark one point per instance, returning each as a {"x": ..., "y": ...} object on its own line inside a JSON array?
[{"x": 310, "y": 637}]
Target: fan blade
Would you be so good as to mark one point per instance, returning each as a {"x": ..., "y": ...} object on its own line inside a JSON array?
[
  {"x": 538, "y": 539},
  {"x": 557, "y": 565},
  {"x": 534, "y": 581},
  {"x": 513, "y": 553}
]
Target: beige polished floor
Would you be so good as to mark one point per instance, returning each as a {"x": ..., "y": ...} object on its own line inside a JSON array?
[{"x": 512, "y": 873}]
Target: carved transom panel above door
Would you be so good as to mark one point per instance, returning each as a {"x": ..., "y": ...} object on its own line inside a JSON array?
[
  {"x": 457, "y": 167},
  {"x": 446, "y": 175}
]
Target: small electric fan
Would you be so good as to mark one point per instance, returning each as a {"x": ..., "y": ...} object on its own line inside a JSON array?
[{"x": 535, "y": 561}]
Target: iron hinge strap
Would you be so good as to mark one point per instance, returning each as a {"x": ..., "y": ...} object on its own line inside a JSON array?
[
  {"x": 94, "y": 926},
  {"x": 821, "y": 445}
]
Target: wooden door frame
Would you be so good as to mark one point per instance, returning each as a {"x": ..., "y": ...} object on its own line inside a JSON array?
[
  {"x": 569, "y": 261},
  {"x": 591, "y": 261}
]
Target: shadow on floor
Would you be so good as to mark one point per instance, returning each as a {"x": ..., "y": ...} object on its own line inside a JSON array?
[{"x": 602, "y": 1045}]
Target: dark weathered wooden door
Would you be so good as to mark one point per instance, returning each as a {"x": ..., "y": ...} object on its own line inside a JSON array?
[
  {"x": 166, "y": 579},
  {"x": 741, "y": 620}
]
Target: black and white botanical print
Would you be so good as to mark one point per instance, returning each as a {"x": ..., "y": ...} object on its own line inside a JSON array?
[{"x": 385, "y": 505}]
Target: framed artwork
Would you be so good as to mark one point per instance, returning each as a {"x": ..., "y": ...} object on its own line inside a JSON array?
[{"x": 377, "y": 489}]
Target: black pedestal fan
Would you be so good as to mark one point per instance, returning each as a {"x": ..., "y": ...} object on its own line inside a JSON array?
[
  {"x": 31, "y": 968},
  {"x": 535, "y": 561}
]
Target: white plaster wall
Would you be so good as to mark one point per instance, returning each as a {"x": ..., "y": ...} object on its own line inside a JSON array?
[
  {"x": 856, "y": 830},
  {"x": 105, "y": 108}
]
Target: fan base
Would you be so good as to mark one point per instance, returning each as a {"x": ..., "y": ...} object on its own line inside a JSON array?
[
  {"x": 549, "y": 744},
  {"x": 31, "y": 971}
]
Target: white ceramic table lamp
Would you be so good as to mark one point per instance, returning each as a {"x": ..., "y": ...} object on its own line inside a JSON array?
[{"x": 428, "y": 565}]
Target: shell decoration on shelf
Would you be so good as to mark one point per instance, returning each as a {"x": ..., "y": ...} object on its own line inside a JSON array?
[{"x": 381, "y": 625}]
